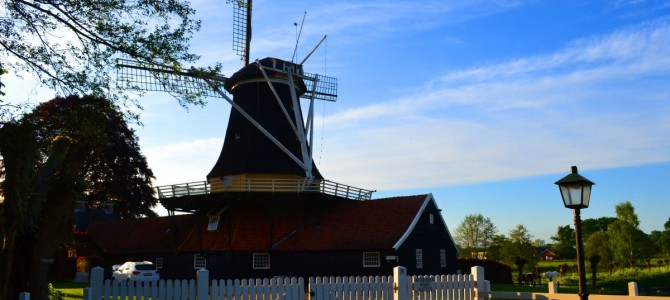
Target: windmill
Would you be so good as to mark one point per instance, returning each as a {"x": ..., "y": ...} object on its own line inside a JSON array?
[{"x": 268, "y": 142}]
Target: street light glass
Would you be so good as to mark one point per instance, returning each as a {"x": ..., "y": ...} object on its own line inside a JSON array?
[{"x": 575, "y": 190}]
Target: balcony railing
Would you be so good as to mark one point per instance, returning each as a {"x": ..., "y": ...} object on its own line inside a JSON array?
[{"x": 264, "y": 185}]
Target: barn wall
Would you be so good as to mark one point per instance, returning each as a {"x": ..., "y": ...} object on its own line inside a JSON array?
[
  {"x": 430, "y": 238},
  {"x": 227, "y": 265}
]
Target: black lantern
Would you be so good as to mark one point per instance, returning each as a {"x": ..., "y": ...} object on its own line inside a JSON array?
[
  {"x": 575, "y": 190},
  {"x": 576, "y": 193}
]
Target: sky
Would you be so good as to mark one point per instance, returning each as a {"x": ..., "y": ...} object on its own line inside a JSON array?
[{"x": 483, "y": 103}]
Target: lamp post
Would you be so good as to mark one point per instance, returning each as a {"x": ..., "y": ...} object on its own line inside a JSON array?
[{"x": 576, "y": 193}]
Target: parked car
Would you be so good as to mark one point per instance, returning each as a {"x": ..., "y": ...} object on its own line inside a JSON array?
[{"x": 135, "y": 270}]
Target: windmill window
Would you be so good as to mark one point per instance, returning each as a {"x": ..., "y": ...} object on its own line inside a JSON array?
[
  {"x": 227, "y": 181},
  {"x": 371, "y": 259},
  {"x": 443, "y": 258},
  {"x": 419, "y": 259},
  {"x": 199, "y": 261},
  {"x": 261, "y": 261},
  {"x": 431, "y": 218},
  {"x": 213, "y": 223},
  {"x": 159, "y": 262}
]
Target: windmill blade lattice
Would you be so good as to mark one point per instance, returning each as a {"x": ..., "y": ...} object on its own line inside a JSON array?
[
  {"x": 325, "y": 89},
  {"x": 142, "y": 77}
]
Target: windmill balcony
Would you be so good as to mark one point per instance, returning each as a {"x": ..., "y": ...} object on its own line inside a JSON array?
[{"x": 230, "y": 185}]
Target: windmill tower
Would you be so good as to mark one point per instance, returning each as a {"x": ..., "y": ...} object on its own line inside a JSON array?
[{"x": 268, "y": 142}]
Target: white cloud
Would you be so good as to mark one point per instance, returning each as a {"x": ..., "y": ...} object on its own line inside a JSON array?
[
  {"x": 600, "y": 103},
  {"x": 182, "y": 161}
]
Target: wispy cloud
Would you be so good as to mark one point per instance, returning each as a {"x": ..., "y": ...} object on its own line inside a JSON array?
[{"x": 598, "y": 102}]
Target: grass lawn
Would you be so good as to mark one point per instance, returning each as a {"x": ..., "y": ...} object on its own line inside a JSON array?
[{"x": 71, "y": 290}]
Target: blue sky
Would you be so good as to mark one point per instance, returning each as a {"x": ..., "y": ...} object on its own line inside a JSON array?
[{"x": 485, "y": 104}]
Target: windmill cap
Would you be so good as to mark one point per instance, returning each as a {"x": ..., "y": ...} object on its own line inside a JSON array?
[{"x": 274, "y": 68}]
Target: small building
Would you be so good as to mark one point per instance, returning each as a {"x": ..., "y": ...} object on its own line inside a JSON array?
[
  {"x": 546, "y": 254},
  {"x": 264, "y": 238}
]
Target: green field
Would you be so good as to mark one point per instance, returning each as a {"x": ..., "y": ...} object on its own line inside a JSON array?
[{"x": 649, "y": 280}]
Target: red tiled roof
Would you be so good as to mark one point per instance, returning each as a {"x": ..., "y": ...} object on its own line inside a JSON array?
[
  {"x": 300, "y": 225},
  {"x": 134, "y": 236},
  {"x": 268, "y": 224}
]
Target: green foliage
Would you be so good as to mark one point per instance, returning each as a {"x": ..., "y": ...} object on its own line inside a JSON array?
[
  {"x": 564, "y": 242},
  {"x": 598, "y": 244},
  {"x": 96, "y": 34},
  {"x": 474, "y": 234},
  {"x": 626, "y": 240},
  {"x": 55, "y": 294},
  {"x": 591, "y": 226},
  {"x": 626, "y": 212},
  {"x": 518, "y": 249}
]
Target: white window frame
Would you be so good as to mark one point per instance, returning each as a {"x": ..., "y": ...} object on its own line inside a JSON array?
[
  {"x": 419, "y": 259},
  {"x": 213, "y": 223},
  {"x": 159, "y": 262},
  {"x": 371, "y": 259},
  {"x": 261, "y": 261},
  {"x": 443, "y": 258},
  {"x": 199, "y": 261}
]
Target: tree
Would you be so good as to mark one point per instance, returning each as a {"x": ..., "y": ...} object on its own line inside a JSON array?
[
  {"x": 115, "y": 172},
  {"x": 625, "y": 237},
  {"x": 45, "y": 173},
  {"x": 72, "y": 45},
  {"x": 519, "y": 249},
  {"x": 475, "y": 234},
  {"x": 564, "y": 245},
  {"x": 495, "y": 250},
  {"x": 598, "y": 244}
]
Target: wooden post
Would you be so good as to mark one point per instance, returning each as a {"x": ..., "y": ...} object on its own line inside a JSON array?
[
  {"x": 203, "y": 283},
  {"x": 24, "y": 296},
  {"x": 480, "y": 285},
  {"x": 87, "y": 294},
  {"x": 97, "y": 277},
  {"x": 632, "y": 289},
  {"x": 400, "y": 283},
  {"x": 553, "y": 288}
]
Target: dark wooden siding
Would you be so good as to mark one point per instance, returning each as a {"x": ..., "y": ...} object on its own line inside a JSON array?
[{"x": 430, "y": 238}]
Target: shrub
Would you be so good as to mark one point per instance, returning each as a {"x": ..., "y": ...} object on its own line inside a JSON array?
[
  {"x": 84, "y": 264},
  {"x": 495, "y": 272}
]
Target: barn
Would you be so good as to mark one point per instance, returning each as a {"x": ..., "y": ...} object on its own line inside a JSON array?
[{"x": 264, "y": 238}]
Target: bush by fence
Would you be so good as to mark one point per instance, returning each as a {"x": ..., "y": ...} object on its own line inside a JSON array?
[{"x": 496, "y": 272}]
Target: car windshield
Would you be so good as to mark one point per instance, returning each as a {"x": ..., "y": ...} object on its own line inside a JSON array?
[{"x": 145, "y": 267}]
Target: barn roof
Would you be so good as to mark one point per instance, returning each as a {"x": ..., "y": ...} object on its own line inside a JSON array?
[
  {"x": 267, "y": 225},
  {"x": 136, "y": 236},
  {"x": 258, "y": 225}
]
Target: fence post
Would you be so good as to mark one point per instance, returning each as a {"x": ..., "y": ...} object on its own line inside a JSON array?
[
  {"x": 478, "y": 273},
  {"x": 97, "y": 277},
  {"x": 87, "y": 294},
  {"x": 24, "y": 296},
  {"x": 400, "y": 283},
  {"x": 553, "y": 289},
  {"x": 632, "y": 289},
  {"x": 203, "y": 283}
]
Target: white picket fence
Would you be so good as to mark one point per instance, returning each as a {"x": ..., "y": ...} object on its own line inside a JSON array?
[{"x": 400, "y": 286}]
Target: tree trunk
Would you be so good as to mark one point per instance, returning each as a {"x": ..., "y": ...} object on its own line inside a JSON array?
[{"x": 38, "y": 212}]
